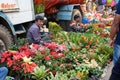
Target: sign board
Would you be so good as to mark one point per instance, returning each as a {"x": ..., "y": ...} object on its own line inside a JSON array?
[{"x": 8, "y": 5}]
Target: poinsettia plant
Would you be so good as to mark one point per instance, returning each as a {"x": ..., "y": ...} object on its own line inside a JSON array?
[{"x": 27, "y": 58}]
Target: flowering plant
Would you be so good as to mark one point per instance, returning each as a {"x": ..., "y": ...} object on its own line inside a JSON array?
[
  {"x": 50, "y": 54},
  {"x": 27, "y": 58},
  {"x": 75, "y": 55}
]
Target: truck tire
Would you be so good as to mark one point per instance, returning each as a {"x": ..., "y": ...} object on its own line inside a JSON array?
[
  {"x": 5, "y": 38},
  {"x": 76, "y": 12}
]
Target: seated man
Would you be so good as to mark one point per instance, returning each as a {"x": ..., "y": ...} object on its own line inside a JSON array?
[
  {"x": 33, "y": 33},
  {"x": 3, "y": 73},
  {"x": 75, "y": 25}
]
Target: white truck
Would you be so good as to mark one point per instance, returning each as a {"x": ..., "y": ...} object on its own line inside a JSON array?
[{"x": 15, "y": 15}]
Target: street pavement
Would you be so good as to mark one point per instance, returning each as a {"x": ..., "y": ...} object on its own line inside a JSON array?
[{"x": 108, "y": 72}]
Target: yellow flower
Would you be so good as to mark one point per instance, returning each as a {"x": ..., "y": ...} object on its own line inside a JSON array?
[
  {"x": 11, "y": 51},
  {"x": 80, "y": 75},
  {"x": 27, "y": 60}
]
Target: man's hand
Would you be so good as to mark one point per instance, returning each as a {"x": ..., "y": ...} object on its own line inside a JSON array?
[
  {"x": 111, "y": 43},
  {"x": 72, "y": 24}
]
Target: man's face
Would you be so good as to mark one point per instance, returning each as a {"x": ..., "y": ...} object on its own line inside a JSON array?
[
  {"x": 77, "y": 20},
  {"x": 40, "y": 23}
]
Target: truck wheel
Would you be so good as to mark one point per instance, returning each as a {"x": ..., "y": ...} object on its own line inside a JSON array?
[
  {"x": 5, "y": 38},
  {"x": 76, "y": 12}
]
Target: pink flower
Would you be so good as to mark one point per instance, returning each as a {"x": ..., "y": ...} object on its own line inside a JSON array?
[
  {"x": 62, "y": 65},
  {"x": 78, "y": 63},
  {"x": 84, "y": 55},
  {"x": 61, "y": 47},
  {"x": 41, "y": 48}
]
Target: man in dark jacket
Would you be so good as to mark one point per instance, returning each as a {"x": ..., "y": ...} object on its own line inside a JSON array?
[{"x": 33, "y": 33}]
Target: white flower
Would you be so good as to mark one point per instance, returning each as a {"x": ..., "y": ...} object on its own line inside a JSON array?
[
  {"x": 27, "y": 60},
  {"x": 94, "y": 63}
]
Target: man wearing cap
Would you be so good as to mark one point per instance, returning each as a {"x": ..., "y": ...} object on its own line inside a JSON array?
[{"x": 33, "y": 33}]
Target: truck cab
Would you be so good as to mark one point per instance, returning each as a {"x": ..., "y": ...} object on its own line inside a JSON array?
[{"x": 13, "y": 15}]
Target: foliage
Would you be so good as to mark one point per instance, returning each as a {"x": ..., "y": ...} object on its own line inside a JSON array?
[
  {"x": 54, "y": 28},
  {"x": 20, "y": 42},
  {"x": 58, "y": 76},
  {"x": 39, "y": 73},
  {"x": 39, "y": 8},
  {"x": 71, "y": 56},
  {"x": 27, "y": 58}
]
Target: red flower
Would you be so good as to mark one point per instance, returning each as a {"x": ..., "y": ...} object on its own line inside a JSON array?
[
  {"x": 68, "y": 64},
  {"x": 47, "y": 58},
  {"x": 16, "y": 68},
  {"x": 48, "y": 70},
  {"x": 37, "y": 2},
  {"x": 23, "y": 48},
  {"x": 9, "y": 63},
  {"x": 51, "y": 36},
  {"x": 17, "y": 57},
  {"x": 28, "y": 67},
  {"x": 51, "y": 46},
  {"x": 62, "y": 55},
  {"x": 56, "y": 56},
  {"x": 2, "y": 60},
  {"x": 43, "y": 52},
  {"x": 53, "y": 53},
  {"x": 22, "y": 54},
  {"x": 6, "y": 54},
  {"x": 36, "y": 46}
]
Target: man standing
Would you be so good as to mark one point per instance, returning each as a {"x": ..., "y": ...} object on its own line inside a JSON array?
[
  {"x": 115, "y": 32},
  {"x": 33, "y": 33},
  {"x": 116, "y": 57}
]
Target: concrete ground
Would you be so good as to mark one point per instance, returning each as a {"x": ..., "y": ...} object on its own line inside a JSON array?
[{"x": 108, "y": 72}]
